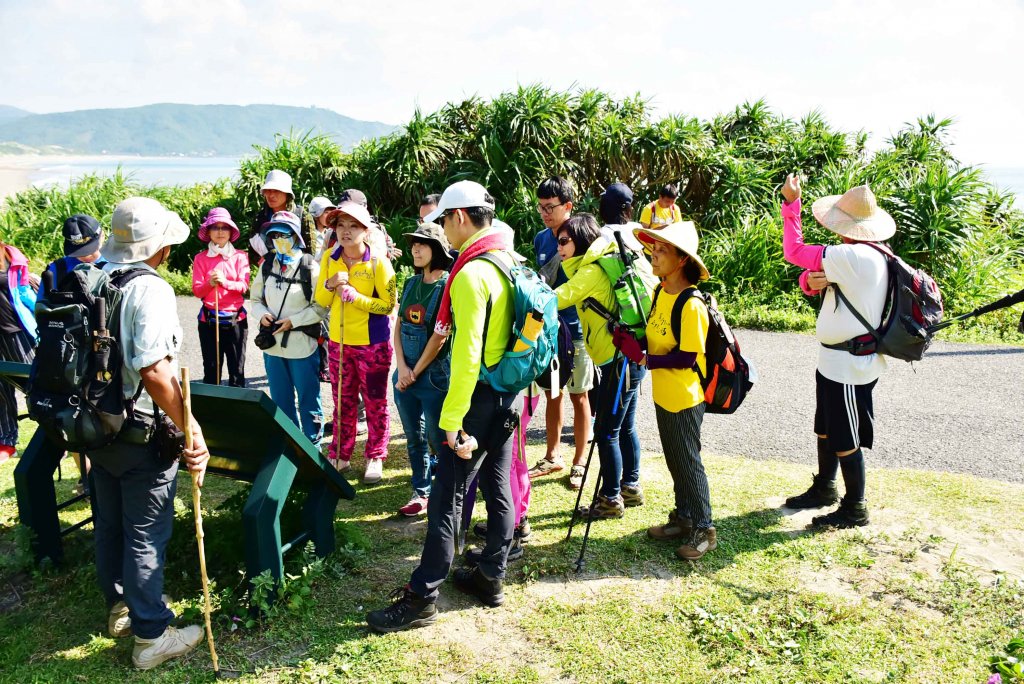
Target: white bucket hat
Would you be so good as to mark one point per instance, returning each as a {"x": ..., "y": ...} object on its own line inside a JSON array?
[
  {"x": 319, "y": 205},
  {"x": 855, "y": 214},
  {"x": 461, "y": 195},
  {"x": 140, "y": 228},
  {"x": 682, "y": 234},
  {"x": 278, "y": 180}
]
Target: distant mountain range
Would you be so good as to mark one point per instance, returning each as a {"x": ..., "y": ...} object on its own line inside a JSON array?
[{"x": 174, "y": 129}]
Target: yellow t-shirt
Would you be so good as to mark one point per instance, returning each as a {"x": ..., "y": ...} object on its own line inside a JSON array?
[
  {"x": 676, "y": 389},
  {"x": 662, "y": 217}
]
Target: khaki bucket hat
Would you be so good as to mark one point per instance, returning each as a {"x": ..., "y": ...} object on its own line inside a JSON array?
[
  {"x": 434, "y": 234},
  {"x": 682, "y": 234},
  {"x": 855, "y": 214},
  {"x": 140, "y": 228}
]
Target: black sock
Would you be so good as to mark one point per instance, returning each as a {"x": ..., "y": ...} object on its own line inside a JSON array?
[
  {"x": 853, "y": 476},
  {"x": 828, "y": 462}
]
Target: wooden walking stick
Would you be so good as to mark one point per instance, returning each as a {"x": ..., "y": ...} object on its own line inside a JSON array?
[
  {"x": 186, "y": 397},
  {"x": 216, "y": 329}
]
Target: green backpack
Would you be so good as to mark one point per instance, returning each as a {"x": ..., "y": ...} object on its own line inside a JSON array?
[{"x": 632, "y": 287}]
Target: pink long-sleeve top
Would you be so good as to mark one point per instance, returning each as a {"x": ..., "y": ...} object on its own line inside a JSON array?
[
  {"x": 231, "y": 292},
  {"x": 794, "y": 250}
]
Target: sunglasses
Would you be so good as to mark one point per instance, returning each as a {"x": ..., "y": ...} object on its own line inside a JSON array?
[{"x": 564, "y": 240}]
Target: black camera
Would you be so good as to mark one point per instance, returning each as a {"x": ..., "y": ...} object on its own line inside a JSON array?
[{"x": 265, "y": 337}]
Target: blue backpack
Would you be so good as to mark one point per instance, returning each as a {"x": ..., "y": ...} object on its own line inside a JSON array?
[{"x": 534, "y": 340}]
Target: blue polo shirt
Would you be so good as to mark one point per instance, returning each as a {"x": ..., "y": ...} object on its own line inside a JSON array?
[{"x": 545, "y": 246}]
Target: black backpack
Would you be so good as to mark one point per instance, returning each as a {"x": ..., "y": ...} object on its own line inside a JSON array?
[
  {"x": 913, "y": 304},
  {"x": 565, "y": 358},
  {"x": 728, "y": 376},
  {"x": 75, "y": 388}
]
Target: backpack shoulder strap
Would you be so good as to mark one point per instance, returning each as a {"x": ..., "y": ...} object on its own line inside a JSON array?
[
  {"x": 677, "y": 310},
  {"x": 122, "y": 277},
  {"x": 306, "y": 276},
  {"x": 498, "y": 262}
]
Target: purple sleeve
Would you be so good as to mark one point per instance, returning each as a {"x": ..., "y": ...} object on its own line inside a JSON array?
[
  {"x": 793, "y": 248},
  {"x": 676, "y": 359}
]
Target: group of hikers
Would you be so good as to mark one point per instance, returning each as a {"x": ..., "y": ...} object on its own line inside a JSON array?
[{"x": 323, "y": 293}]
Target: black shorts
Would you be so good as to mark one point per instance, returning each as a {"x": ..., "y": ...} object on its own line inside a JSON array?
[{"x": 844, "y": 413}]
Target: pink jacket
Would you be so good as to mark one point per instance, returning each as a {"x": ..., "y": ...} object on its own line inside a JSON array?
[
  {"x": 793, "y": 248},
  {"x": 236, "y": 274}
]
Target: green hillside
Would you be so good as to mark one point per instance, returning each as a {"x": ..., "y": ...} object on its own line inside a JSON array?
[
  {"x": 8, "y": 113},
  {"x": 173, "y": 129}
]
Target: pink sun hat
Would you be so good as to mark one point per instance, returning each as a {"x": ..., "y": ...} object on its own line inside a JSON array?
[{"x": 218, "y": 215}]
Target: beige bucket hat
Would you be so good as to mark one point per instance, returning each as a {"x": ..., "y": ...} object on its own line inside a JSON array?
[
  {"x": 140, "y": 228},
  {"x": 682, "y": 234},
  {"x": 855, "y": 214}
]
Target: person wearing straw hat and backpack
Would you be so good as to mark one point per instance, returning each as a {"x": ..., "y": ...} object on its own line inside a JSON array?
[
  {"x": 133, "y": 498},
  {"x": 676, "y": 360},
  {"x": 220, "y": 277},
  {"x": 850, "y": 276}
]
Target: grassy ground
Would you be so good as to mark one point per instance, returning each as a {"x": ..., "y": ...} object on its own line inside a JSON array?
[{"x": 925, "y": 594}]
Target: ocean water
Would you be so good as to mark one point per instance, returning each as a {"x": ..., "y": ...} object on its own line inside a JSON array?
[
  {"x": 143, "y": 170},
  {"x": 1008, "y": 178}
]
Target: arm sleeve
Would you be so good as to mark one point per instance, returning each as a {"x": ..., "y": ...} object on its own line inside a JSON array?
[
  {"x": 200, "y": 279},
  {"x": 676, "y": 359},
  {"x": 469, "y": 303},
  {"x": 793, "y": 248},
  {"x": 645, "y": 216},
  {"x": 810, "y": 292},
  {"x": 321, "y": 295},
  {"x": 258, "y": 309},
  {"x": 574, "y": 291},
  {"x": 385, "y": 283}
]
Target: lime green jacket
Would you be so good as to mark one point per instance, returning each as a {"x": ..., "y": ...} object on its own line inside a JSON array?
[
  {"x": 475, "y": 284},
  {"x": 587, "y": 279}
]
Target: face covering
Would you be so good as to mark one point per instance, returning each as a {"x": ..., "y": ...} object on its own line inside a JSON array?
[{"x": 285, "y": 248}]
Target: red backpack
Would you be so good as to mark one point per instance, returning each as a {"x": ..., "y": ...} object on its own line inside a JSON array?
[{"x": 728, "y": 376}]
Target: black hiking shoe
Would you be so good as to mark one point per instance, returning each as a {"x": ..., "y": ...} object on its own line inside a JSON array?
[
  {"x": 522, "y": 532},
  {"x": 408, "y": 611},
  {"x": 515, "y": 552},
  {"x": 821, "y": 493},
  {"x": 846, "y": 516},
  {"x": 473, "y": 582}
]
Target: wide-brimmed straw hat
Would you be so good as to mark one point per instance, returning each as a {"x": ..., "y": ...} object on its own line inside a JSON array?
[
  {"x": 215, "y": 216},
  {"x": 434, "y": 235},
  {"x": 140, "y": 228},
  {"x": 353, "y": 209},
  {"x": 682, "y": 234},
  {"x": 855, "y": 214}
]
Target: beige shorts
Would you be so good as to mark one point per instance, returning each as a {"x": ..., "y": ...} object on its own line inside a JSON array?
[{"x": 582, "y": 379}]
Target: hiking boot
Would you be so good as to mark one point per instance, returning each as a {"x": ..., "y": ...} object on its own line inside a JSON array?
[
  {"x": 149, "y": 653},
  {"x": 846, "y": 516},
  {"x": 701, "y": 541},
  {"x": 374, "y": 470},
  {"x": 632, "y": 495},
  {"x": 522, "y": 532},
  {"x": 675, "y": 528},
  {"x": 515, "y": 552},
  {"x": 604, "y": 509},
  {"x": 821, "y": 493},
  {"x": 408, "y": 611},
  {"x": 119, "y": 625},
  {"x": 417, "y": 506},
  {"x": 576, "y": 477},
  {"x": 473, "y": 582},
  {"x": 546, "y": 467}
]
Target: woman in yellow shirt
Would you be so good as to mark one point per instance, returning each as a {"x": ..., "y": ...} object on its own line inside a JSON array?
[
  {"x": 674, "y": 356},
  {"x": 366, "y": 284}
]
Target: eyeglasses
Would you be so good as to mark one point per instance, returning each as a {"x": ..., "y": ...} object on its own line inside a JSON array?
[
  {"x": 548, "y": 208},
  {"x": 563, "y": 241}
]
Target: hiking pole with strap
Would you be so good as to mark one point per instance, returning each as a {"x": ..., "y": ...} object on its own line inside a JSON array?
[
  {"x": 186, "y": 399},
  {"x": 216, "y": 329},
  {"x": 1004, "y": 302}
]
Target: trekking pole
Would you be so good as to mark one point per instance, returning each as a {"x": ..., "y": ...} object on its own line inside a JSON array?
[
  {"x": 342, "y": 280},
  {"x": 186, "y": 398},
  {"x": 1008, "y": 300},
  {"x": 216, "y": 329}
]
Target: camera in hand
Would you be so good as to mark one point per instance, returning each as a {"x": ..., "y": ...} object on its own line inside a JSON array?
[{"x": 265, "y": 337}]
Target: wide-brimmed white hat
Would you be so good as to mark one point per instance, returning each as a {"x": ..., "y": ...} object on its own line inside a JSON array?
[
  {"x": 682, "y": 234},
  {"x": 461, "y": 195},
  {"x": 278, "y": 180},
  {"x": 140, "y": 228},
  {"x": 855, "y": 214}
]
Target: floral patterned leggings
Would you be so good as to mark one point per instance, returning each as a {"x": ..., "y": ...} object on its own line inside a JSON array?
[{"x": 365, "y": 371}]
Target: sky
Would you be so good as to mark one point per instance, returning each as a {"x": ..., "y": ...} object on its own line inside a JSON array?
[{"x": 869, "y": 65}]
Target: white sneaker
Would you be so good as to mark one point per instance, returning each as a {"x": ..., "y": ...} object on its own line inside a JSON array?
[
  {"x": 361, "y": 428},
  {"x": 374, "y": 470},
  {"x": 119, "y": 625},
  {"x": 172, "y": 643}
]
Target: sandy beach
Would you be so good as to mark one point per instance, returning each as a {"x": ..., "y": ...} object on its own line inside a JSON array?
[{"x": 16, "y": 171}]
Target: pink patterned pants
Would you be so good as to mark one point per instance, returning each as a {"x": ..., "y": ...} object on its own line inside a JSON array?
[{"x": 365, "y": 371}]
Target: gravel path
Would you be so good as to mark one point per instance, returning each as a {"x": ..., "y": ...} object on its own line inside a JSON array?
[{"x": 960, "y": 410}]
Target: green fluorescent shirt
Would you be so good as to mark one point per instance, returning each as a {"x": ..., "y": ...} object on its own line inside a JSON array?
[{"x": 476, "y": 283}]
